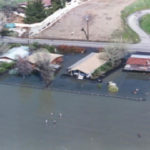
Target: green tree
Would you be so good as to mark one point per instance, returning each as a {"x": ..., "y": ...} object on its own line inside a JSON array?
[
  {"x": 56, "y": 4},
  {"x": 35, "y": 12}
]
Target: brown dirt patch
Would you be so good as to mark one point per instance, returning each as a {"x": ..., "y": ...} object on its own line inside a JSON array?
[{"x": 105, "y": 19}]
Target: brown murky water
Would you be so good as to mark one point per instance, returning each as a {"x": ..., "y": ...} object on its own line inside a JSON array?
[{"x": 86, "y": 122}]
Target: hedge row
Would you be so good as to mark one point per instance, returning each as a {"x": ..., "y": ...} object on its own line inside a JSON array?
[{"x": 70, "y": 49}]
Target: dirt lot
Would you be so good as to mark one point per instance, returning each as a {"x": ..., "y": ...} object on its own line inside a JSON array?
[{"x": 104, "y": 20}]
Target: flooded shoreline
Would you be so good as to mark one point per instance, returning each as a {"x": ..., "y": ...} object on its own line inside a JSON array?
[{"x": 131, "y": 81}]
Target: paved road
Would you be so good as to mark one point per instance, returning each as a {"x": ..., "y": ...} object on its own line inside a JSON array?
[
  {"x": 130, "y": 47},
  {"x": 133, "y": 22}
]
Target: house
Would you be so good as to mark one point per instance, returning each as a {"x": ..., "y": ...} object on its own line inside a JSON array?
[
  {"x": 46, "y": 3},
  {"x": 43, "y": 55},
  {"x": 138, "y": 62},
  {"x": 87, "y": 65},
  {"x": 14, "y": 53},
  {"x": 23, "y": 5}
]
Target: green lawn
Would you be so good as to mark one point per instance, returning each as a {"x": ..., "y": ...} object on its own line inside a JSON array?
[
  {"x": 127, "y": 35},
  {"x": 145, "y": 23}
]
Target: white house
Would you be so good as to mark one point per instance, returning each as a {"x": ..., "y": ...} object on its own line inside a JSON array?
[{"x": 14, "y": 53}]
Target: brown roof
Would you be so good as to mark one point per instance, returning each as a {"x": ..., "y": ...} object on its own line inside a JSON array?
[{"x": 43, "y": 55}]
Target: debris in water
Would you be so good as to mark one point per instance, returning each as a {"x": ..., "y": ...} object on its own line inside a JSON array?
[
  {"x": 139, "y": 135},
  {"x": 60, "y": 115}
]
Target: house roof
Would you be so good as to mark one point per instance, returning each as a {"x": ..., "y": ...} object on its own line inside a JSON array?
[
  {"x": 140, "y": 56},
  {"x": 129, "y": 67},
  {"x": 139, "y": 61},
  {"x": 89, "y": 63},
  {"x": 45, "y": 2},
  {"x": 14, "y": 53},
  {"x": 43, "y": 55}
]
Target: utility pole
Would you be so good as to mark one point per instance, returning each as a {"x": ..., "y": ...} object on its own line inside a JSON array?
[
  {"x": 86, "y": 32},
  {"x": 87, "y": 26},
  {"x": 28, "y": 37}
]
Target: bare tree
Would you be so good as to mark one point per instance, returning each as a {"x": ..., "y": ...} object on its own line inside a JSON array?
[
  {"x": 24, "y": 67},
  {"x": 87, "y": 19},
  {"x": 46, "y": 70},
  {"x": 115, "y": 53},
  {"x": 4, "y": 47},
  {"x": 2, "y": 20}
]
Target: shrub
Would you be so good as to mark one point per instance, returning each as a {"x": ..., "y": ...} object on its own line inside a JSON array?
[
  {"x": 34, "y": 46},
  {"x": 70, "y": 49},
  {"x": 51, "y": 49},
  {"x": 99, "y": 85},
  {"x": 56, "y": 4},
  {"x": 2, "y": 70},
  {"x": 102, "y": 69},
  {"x": 15, "y": 45},
  {"x": 145, "y": 23},
  {"x": 5, "y": 32},
  {"x": 5, "y": 66},
  {"x": 112, "y": 87}
]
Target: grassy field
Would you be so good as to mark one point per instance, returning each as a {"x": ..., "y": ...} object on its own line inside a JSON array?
[
  {"x": 145, "y": 23},
  {"x": 127, "y": 34}
]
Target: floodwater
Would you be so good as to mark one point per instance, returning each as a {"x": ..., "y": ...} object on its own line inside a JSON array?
[
  {"x": 43, "y": 119},
  {"x": 87, "y": 122}
]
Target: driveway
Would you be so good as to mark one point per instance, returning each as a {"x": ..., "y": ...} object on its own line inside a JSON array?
[{"x": 133, "y": 22}]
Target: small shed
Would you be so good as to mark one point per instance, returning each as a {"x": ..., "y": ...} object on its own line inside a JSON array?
[{"x": 87, "y": 65}]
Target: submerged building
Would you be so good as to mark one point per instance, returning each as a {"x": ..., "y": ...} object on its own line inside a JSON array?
[
  {"x": 43, "y": 55},
  {"x": 138, "y": 62},
  {"x": 14, "y": 53},
  {"x": 87, "y": 65}
]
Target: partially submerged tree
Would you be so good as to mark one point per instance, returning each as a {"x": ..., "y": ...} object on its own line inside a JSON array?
[
  {"x": 24, "y": 67},
  {"x": 115, "y": 53},
  {"x": 35, "y": 12},
  {"x": 46, "y": 70}
]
